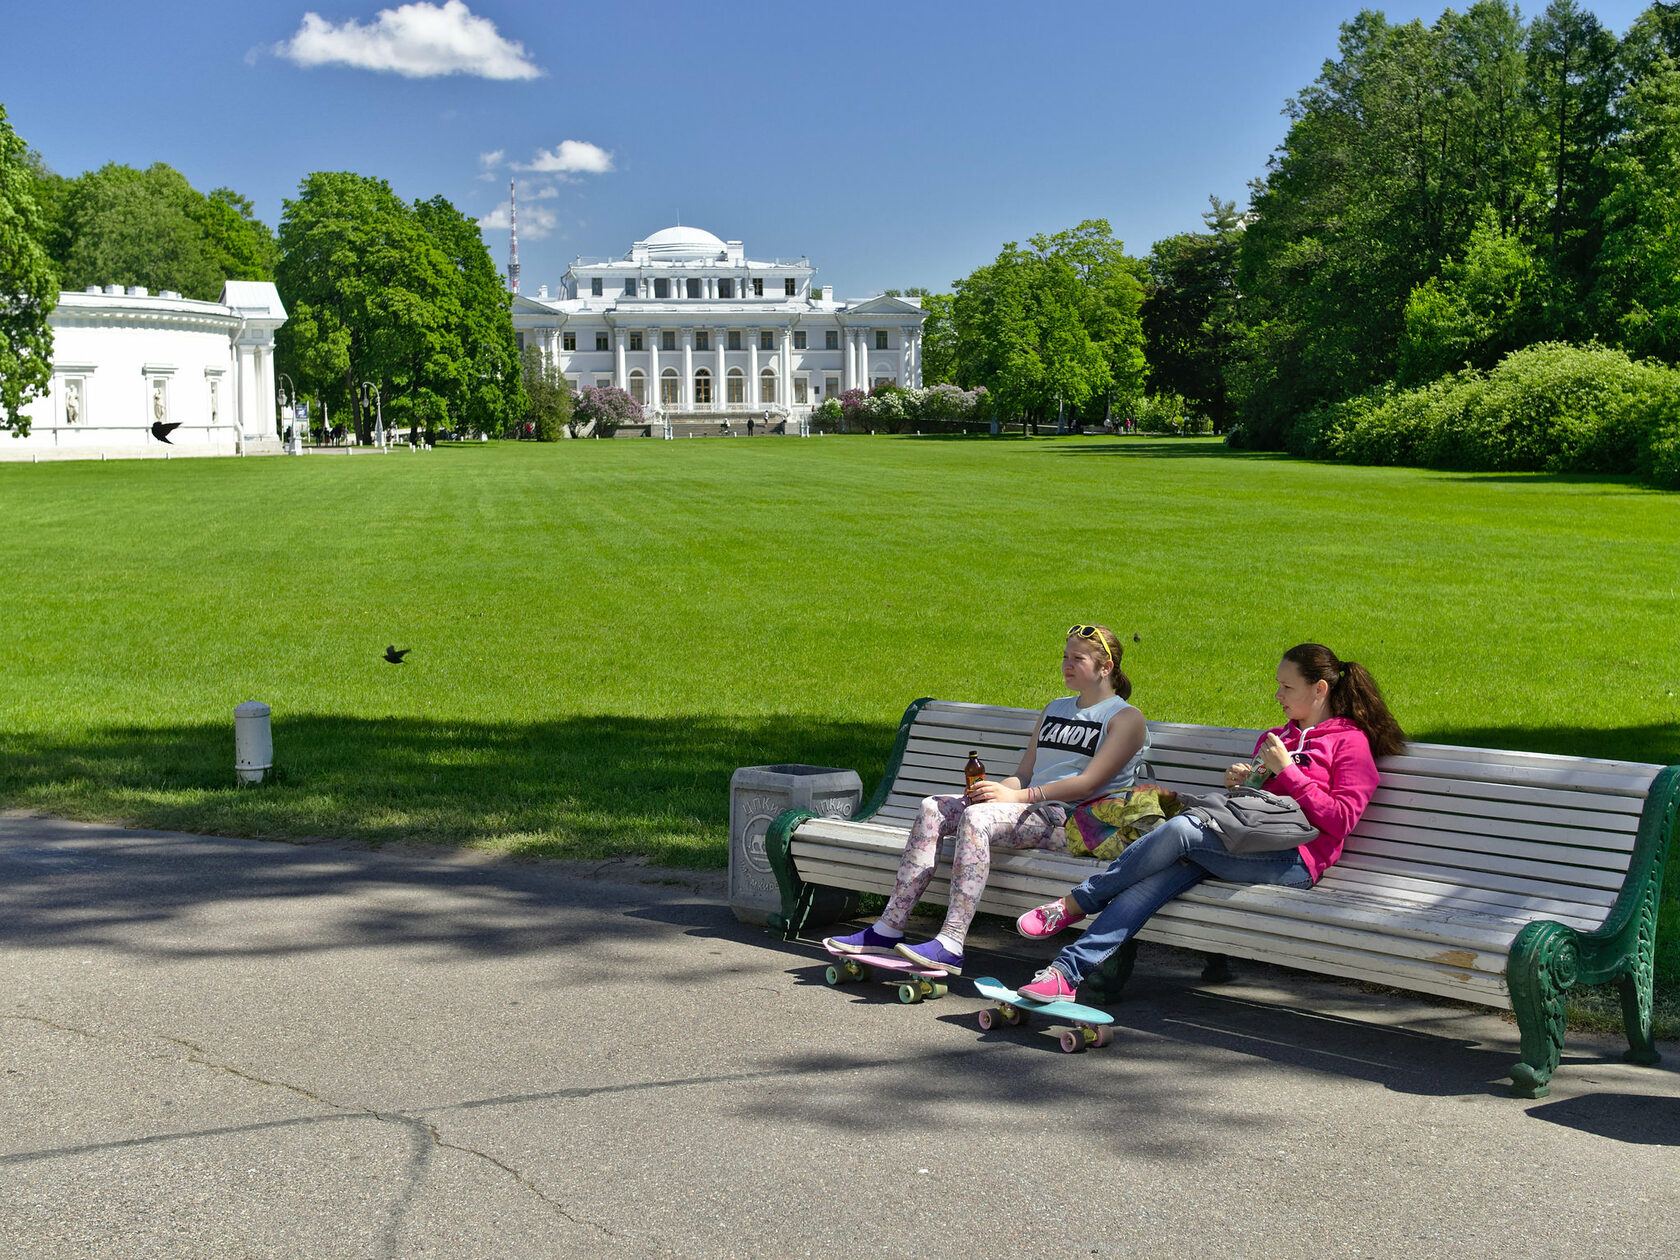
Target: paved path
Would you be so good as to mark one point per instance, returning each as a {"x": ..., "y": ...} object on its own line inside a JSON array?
[{"x": 234, "y": 1048}]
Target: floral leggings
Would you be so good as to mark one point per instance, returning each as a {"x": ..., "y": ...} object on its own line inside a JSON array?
[{"x": 977, "y": 828}]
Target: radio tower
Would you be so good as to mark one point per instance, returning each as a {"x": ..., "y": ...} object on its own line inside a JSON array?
[{"x": 513, "y": 241}]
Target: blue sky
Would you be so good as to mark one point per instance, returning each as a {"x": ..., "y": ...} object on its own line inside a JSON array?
[{"x": 894, "y": 144}]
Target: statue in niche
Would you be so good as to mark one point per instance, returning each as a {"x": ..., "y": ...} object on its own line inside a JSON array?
[
  {"x": 157, "y": 401},
  {"x": 72, "y": 401},
  {"x": 214, "y": 403}
]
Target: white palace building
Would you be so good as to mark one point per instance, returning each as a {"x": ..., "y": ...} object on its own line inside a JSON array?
[{"x": 691, "y": 327}]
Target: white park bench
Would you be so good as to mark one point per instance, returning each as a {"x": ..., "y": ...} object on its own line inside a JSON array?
[{"x": 1500, "y": 878}]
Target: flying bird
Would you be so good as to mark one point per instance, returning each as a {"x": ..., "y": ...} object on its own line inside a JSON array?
[
  {"x": 161, "y": 431},
  {"x": 394, "y": 655}
]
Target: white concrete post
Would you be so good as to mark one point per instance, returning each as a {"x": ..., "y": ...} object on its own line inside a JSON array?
[{"x": 253, "y": 742}]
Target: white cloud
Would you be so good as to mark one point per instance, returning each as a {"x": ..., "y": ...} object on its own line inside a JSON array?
[
  {"x": 543, "y": 194},
  {"x": 535, "y": 222},
  {"x": 418, "y": 41},
  {"x": 491, "y": 159},
  {"x": 571, "y": 157}
]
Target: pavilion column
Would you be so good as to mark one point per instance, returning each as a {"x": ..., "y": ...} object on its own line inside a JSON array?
[
  {"x": 916, "y": 358},
  {"x": 849, "y": 341},
  {"x": 752, "y": 398},
  {"x": 621, "y": 377},
  {"x": 905, "y": 378},
  {"x": 686, "y": 387}
]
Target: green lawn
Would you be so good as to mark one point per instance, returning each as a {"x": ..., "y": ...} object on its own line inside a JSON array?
[{"x": 602, "y": 631}]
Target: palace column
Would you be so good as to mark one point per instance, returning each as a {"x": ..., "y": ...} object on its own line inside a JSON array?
[
  {"x": 848, "y": 365},
  {"x": 751, "y": 395},
  {"x": 654, "y": 396},
  {"x": 861, "y": 380},
  {"x": 916, "y": 361},
  {"x": 905, "y": 360},
  {"x": 785, "y": 356},
  {"x": 685, "y": 387},
  {"x": 621, "y": 378},
  {"x": 720, "y": 338}
]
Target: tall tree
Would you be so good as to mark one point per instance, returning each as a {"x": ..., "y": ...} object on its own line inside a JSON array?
[
  {"x": 1190, "y": 316},
  {"x": 28, "y": 285},
  {"x": 487, "y": 397}
]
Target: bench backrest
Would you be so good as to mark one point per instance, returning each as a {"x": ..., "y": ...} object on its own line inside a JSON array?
[{"x": 1494, "y": 831}]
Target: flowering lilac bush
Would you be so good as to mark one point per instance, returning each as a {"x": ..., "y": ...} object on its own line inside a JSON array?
[{"x": 601, "y": 410}]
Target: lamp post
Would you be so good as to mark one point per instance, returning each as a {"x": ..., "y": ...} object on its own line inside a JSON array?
[
  {"x": 283, "y": 398},
  {"x": 371, "y": 394}
]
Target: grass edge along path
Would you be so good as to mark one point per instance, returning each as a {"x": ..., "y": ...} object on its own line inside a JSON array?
[{"x": 604, "y": 631}]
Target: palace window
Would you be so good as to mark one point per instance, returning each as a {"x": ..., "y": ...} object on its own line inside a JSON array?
[
  {"x": 831, "y": 386},
  {"x": 880, "y": 338},
  {"x": 601, "y": 341},
  {"x": 799, "y": 339},
  {"x": 661, "y": 288},
  {"x": 519, "y": 342},
  {"x": 702, "y": 339},
  {"x": 790, "y": 286},
  {"x": 800, "y": 388},
  {"x": 667, "y": 340},
  {"x": 568, "y": 341},
  {"x": 734, "y": 338},
  {"x": 694, "y": 288},
  {"x": 595, "y": 287},
  {"x": 638, "y": 388},
  {"x": 669, "y": 388},
  {"x": 758, "y": 287},
  {"x": 737, "y": 386},
  {"x": 831, "y": 339},
  {"x": 703, "y": 387},
  {"x": 635, "y": 341},
  {"x": 766, "y": 339},
  {"x": 726, "y": 288},
  {"x": 767, "y": 387},
  {"x": 603, "y": 382},
  {"x": 630, "y": 287}
]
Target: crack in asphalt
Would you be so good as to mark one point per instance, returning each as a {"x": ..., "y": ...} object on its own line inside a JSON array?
[{"x": 423, "y": 1128}]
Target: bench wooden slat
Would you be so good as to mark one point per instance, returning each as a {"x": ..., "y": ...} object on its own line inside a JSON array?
[
  {"x": 1475, "y": 868},
  {"x": 1602, "y": 849},
  {"x": 1429, "y": 894}
]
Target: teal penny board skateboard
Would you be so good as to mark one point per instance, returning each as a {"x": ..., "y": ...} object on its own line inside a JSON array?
[
  {"x": 1090, "y": 1026},
  {"x": 914, "y": 983}
]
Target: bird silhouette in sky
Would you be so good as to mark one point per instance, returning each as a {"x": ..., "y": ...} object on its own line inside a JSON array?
[
  {"x": 394, "y": 655},
  {"x": 161, "y": 431}
]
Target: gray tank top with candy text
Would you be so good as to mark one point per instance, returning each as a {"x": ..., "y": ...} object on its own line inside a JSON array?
[{"x": 1068, "y": 737}]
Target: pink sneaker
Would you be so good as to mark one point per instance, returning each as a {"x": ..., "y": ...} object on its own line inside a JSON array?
[
  {"x": 1046, "y": 920},
  {"x": 1048, "y": 985}
]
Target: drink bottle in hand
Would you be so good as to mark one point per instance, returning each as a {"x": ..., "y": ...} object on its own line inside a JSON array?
[{"x": 974, "y": 771}]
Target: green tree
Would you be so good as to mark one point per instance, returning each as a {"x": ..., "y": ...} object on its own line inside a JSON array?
[
  {"x": 487, "y": 397},
  {"x": 28, "y": 285},
  {"x": 939, "y": 340},
  {"x": 240, "y": 245},
  {"x": 362, "y": 281},
  {"x": 1476, "y": 311},
  {"x": 548, "y": 394},
  {"x": 1190, "y": 312},
  {"x": 125, "y": 226}
]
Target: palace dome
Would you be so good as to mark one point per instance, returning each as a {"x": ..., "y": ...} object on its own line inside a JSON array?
[{"x": 680, "y": 243}]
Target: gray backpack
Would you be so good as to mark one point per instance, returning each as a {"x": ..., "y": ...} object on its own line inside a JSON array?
[{"x": 1251, "y": 819}]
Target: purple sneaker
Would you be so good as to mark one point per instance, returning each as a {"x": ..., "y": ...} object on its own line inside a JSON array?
[
  {"x": 868, "y": 941},
  {"x": 933, "y": 954}
]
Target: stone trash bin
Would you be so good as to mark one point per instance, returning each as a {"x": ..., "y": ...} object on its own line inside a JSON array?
[{"x": 757, "y": 794}]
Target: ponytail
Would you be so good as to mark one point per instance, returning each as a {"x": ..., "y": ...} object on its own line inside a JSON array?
[
  {"x": 1111, "y": 641},
  {"x": 1354, "y": 695}
]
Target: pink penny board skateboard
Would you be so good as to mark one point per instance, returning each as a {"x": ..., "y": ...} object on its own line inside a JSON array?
[
  {"x": 914, "y": 982},
  {"x": 1090, "y": 1026}
]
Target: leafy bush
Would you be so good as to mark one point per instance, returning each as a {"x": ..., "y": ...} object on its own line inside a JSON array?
[
  {"x": 828, "y": 418},
  {"x": 549, "y": 395},
  {"x": 604, "y": 407},
  {"x": 1550, "y": 407}
]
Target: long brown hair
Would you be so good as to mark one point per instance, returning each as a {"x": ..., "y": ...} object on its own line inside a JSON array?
[
  {"x": 1354, "y": 695},
  {"x": 1111, "y": 641}
]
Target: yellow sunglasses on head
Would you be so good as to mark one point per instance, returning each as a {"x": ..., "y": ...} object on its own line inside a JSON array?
[{"x": 1095, "y": 636}]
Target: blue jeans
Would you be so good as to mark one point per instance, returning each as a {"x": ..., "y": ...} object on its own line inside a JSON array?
[{"x": 1178, "y": 854}]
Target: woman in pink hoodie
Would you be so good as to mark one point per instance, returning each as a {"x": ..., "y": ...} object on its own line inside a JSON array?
[{"x": 1324, "y": 757}]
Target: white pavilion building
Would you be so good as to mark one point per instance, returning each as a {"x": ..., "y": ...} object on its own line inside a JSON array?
[{"x": 691, "y": 328}]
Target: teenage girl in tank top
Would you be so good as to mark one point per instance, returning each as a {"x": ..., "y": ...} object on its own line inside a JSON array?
[{"x": 1084, "y": 746}]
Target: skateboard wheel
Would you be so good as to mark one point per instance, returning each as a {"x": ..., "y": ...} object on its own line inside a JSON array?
[
  {"x": 1017, "y": 1018},
  {"x": 938, "y": 990},
  {"x": 909, "y": 994},
  {"x": 1105, "y": 1034},
  {"x": 986, "y": 1019},
  {"x": 832, "y": 975},
  {"x": 1072, "y": 1041},
  {"x": 861, "y": 972}
]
